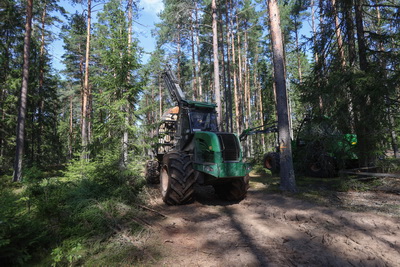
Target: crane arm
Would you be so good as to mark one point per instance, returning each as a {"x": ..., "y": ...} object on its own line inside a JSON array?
[
  {"x": 255, "y": 130},
  {"x": 173, "y": 86}
]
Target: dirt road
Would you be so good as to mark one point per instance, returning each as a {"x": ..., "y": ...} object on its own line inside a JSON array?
[{"x": 270, "y": 229}]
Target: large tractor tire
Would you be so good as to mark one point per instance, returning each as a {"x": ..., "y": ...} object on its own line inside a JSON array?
[
  {"x": 272, "y": 162},
  {"x": 152, "y": 173},
  {"x": 177, "y": 178},
  {"x": 235, "y": 190},
  {"x": 323, "y": 166}
]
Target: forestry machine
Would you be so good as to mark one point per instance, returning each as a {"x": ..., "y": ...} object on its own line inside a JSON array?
[
  {"x": 319, "y": 149},
  {"x": 190, "y": 149}
]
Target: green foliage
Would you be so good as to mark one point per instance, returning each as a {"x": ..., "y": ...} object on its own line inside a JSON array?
[
  {"x": 20, "y": 232},
  {"x": 91, "y": 202},
  {"x": 67, "y": 254},
  {"x": 33, "y": 173}
]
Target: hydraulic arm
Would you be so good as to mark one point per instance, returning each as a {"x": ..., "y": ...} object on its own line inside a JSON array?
[{"x": 173, "y": 86}]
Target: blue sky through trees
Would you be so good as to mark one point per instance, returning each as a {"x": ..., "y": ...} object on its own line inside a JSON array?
[{"x": 142, "y": 27}]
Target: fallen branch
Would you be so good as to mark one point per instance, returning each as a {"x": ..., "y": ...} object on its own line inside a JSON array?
[{"x": 152, "y": 210}]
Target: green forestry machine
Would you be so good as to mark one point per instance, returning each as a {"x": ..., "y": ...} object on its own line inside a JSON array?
[
  {"x": 190, "y": 149},
  {"x": 319, "y": 149}
]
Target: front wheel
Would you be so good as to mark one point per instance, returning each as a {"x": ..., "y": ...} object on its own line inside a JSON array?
[
  {"x": 233, "y": 190},
  {"x": 177, "y": 178}
]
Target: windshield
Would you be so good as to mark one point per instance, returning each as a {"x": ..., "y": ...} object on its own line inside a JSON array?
[{"x": 203, "y": 121}]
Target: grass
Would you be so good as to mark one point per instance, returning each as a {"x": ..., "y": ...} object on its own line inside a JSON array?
[{"x": 83, "y": 215}]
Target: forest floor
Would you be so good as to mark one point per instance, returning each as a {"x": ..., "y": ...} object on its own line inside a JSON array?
[{"x": 318, "y": 226}]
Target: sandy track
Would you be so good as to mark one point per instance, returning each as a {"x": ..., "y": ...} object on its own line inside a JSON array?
[{"x": 271, "y": 230}]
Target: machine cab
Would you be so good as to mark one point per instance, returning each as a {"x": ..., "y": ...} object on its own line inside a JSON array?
[{"x": 195, "y": 117}]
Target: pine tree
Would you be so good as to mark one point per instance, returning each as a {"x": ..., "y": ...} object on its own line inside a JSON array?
[
  {"x": 23, "y": 98},
  {"x": 11, "y": 36},
  {"x": 288, "y": 182},
  {"x": 217, "y": 90}
]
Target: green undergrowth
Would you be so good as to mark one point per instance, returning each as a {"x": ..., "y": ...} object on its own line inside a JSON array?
[
  {"x": 72, "y": 217},
  {"x": 390, "y": 165}
]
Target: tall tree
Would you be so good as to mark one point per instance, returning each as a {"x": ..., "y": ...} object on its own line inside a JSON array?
[
  {"x": 23, "y": 97},
  {"x": 216, "y": 62},
  {"x": 11, "y": 36},
  {"x": 126, "y": 108},
  {"x": 288, "y": 182},
  {"x": 86, "y": 97},
  {"x": 115, "y": 53}
]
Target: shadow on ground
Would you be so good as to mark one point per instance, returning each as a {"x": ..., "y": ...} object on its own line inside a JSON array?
[{"x": 273, "y": 229}]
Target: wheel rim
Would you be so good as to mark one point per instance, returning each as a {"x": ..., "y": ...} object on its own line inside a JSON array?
[
  {"x": 164, "y": 181},
  {"x": 315, "y": 167},
  {"x": 268, "y": 163}
]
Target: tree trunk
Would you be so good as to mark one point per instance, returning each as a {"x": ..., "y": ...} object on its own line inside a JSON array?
[
  {"x": 391, "y": 119},
  {"x": 364, "y": 129},
  {"x": 240, "y": 78},
  {"x": 86, "y": 88},
  {"x": 71, "y": 129},
  {"x": 125, "y": 135},
  {"x": 41, "y": 83},
  {"x": 235, "y": 83},
  {"x": 229, "y": 100},
  {"x": 178, "y": 48},
  {"x": 247, "y": 101},
  {"x": 347, "y": 16},
  {"x": 314, "y": 30},
  {"x": 338, "y": 33},
  {"x": 19, "y": 153},
  {"x": 224, "y": 83},
  {"x": 216, "y": 63},
  {"x": 296, "y": 30},
  {"x": 195, "y": 91},
  {"x": 288, "y": 182},
  {"x": 347, "y": 8},
  {"x": 160, "y": 96},
  {"x": 200, "y": 89},
  {"x": 362, "y": 48},
  {"x": 260, "y": 103}
]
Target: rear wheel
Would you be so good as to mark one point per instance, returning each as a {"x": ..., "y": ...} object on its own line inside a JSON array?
[
  {"x": 272, "y": 162},
  {"x": 152, "y": 173},
  {"x": 323, "y": 166},
  {"x": 177, "y": 178},
  {"x": 233, "y": 190}
]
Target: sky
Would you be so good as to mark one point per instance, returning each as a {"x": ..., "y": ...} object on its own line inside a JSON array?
[{"x": 142, "y": 27}]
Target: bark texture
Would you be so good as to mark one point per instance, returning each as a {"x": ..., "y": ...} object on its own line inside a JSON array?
[
  {"x": 288, "y": 182},
  {"x": 23, "y": 98}
]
